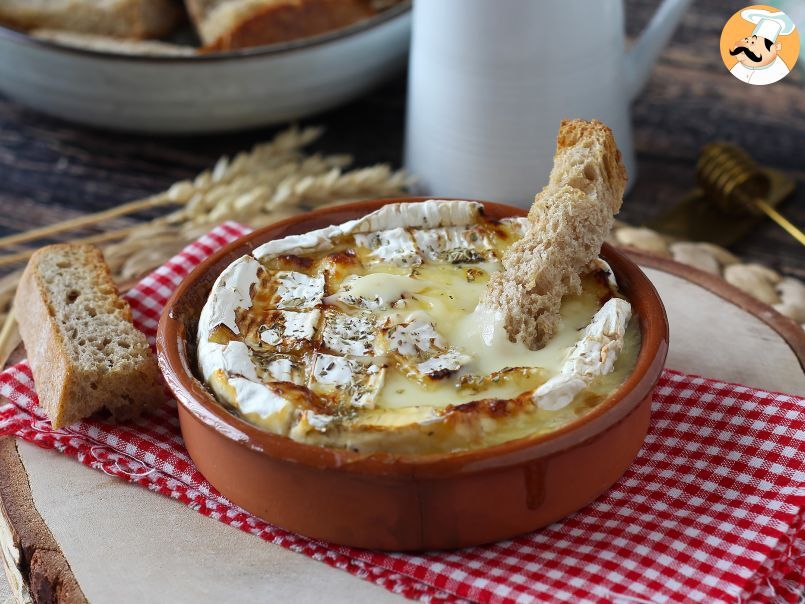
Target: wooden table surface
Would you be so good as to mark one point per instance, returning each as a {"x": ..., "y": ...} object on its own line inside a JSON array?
[{"x": 51, "y": 170}]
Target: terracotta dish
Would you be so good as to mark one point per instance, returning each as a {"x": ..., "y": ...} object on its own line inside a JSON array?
[{"x": 394, "y": 502}]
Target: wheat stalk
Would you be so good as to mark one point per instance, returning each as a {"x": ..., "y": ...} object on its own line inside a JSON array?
[{"x": 271, "y": 181}]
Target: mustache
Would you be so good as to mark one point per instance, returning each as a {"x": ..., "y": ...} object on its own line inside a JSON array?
[{"x": 743, "y": 49}]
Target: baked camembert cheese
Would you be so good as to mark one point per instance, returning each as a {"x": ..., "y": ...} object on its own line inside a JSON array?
[{"x": 369, "y": 336}]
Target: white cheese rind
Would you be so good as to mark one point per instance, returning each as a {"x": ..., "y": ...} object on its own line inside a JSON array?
[
  {"x": 316, "y": 421},
  {"x": 210, "y": 356},
  {"x": 233, "y": 358},
  {"x": 593, "y": 355},
  {"x": 349, "y": 334},
  {"x": 237, "y": 361},
  {"x": 450, "y": 360},
  {"x": 367, "y": 393},
  {"x": 292, "y": 327},
  {"x": 298, "y": 291},
  {"x": 332, "y": 370},
  {"x": 231, "y": 291},
  {"x": 360, "y": 381},
  {"x": 427, "y": 214},
  {"x": 251, "y": 396},
  {"x": 415, "y": 338},
  {"x": 559, "y": 391},
  {"x": 301, "y": 325},
  {"x": 424, "y": 348},
  {"x": 453, "y": 244},
  {"x": 282, "y": 370},
  {"x": 255, "y": 397},
  {"x": 393, "y": 246},
  {"x": 602, "y": 265}
]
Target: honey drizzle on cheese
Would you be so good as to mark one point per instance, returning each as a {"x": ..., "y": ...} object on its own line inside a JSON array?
[
  {"x": 435, "y": 293},
  {"x": 448, "y": 295}
]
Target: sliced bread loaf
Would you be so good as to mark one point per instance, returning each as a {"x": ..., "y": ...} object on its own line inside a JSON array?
[
  {"x": 84, "y": 351},
  {"x": 230, "y": 24},
  {"x": 137, "y": 19},
  {"x": 568, "y": 222}
]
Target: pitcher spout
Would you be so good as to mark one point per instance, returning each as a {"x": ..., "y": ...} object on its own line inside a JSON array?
[{"x": 644, "y": 52}]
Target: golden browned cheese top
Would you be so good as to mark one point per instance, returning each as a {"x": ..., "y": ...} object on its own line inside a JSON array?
[{"x": 377, "y": 343}]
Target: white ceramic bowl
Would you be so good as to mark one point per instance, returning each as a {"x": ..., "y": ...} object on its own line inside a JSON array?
[{"x": 205, "y": 93}]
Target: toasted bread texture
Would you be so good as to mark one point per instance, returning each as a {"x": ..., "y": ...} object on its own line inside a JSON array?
[
  {"x": 84, "y": 351},
  {"x": 231, "y": 24},
  {"x": 567, "y": 225},
  {"x": 134, "y": 19}
]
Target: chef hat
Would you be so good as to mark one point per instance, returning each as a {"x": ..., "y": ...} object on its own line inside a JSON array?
[{"x": 769, "y": 24}]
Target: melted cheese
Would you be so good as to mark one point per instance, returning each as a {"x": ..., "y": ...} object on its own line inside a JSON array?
[
  {"x": 375, "y": 291},
  {"x": 401, "y": 341},
  {"x": 481, "y": 335}
]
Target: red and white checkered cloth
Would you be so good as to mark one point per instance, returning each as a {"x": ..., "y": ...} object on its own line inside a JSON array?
[{"x": 710, "y": 511}]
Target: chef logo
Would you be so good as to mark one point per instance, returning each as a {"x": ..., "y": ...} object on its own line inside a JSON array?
[{"x": 760, "y": 45}]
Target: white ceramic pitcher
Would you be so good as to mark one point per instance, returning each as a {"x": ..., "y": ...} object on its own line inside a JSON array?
[{"x": 490, "y": 80}]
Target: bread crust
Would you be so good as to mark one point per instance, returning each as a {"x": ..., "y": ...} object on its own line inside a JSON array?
[
  {"x": 568, "y": 223},
  {"x": 36, "y": 327},
  {"x": 70, "y": 387},
  {"x": 131, "y": 19},
  {"x": 247, "y": 23}
]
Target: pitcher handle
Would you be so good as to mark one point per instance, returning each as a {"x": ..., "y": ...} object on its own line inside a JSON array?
[{"x": 645, "y": 51}]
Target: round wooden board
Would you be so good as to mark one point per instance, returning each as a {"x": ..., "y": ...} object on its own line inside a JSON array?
[{"x": 88, "y": 536}]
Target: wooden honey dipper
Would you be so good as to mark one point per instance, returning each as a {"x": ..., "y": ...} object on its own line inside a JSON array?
[{"x": 734, "y": 182}]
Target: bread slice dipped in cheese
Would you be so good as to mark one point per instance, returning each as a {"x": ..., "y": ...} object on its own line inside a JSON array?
[{"x": 567, "y": 225}]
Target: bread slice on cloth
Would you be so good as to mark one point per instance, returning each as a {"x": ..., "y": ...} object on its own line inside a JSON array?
[
  {"x": 84, "y": 351},
  {"x": 568, "y": 222}
]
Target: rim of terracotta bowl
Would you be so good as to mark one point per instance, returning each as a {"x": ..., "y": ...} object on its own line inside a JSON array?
[
  {"x": 389, "y": 14},
  {"x": 193, "y": 396}
]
